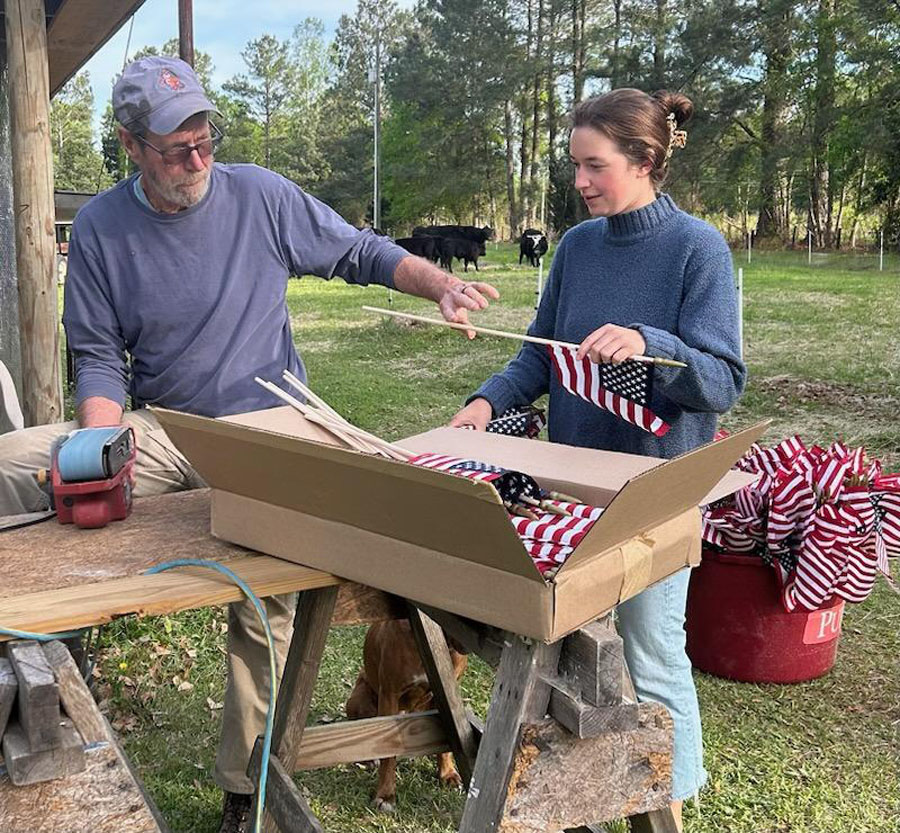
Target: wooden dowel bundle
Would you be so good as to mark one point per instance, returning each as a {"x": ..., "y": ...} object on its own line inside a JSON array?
[
  {"x": 657, "y": 360},
  {"x": 355, "y": 437}
]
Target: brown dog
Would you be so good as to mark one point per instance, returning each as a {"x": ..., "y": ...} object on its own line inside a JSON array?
[{"x": 392, "y": 681}]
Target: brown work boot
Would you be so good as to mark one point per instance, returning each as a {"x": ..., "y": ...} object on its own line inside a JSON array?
[{"x": 236, "y": 813}]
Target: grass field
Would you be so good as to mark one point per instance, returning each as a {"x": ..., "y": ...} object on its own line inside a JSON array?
[{"x": 821, "y": 757}]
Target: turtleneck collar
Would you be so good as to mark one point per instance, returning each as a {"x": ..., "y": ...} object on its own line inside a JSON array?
[{"x": 642, "y": 221}]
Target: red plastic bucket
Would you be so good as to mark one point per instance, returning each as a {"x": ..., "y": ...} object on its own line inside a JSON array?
[{"x": 737, "y": 627}]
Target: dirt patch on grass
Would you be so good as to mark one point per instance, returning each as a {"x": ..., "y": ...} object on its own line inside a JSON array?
[{"x": 789, "y": 390}]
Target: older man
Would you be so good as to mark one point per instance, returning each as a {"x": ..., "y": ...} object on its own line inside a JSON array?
[{"x": 182, "y": 269}]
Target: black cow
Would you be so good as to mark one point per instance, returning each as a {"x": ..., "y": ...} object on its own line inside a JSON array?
[
  {"x": 479, "y": 235},
  {"x": 468, "y": 251},
  {"x": 533, "y": 246},
  {"x": 422, "y": 246}
]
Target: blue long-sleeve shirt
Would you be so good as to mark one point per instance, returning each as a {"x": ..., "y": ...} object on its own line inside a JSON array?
[
  {"x": 197, "y": 298},
  {"x": 670, "y": 276}
]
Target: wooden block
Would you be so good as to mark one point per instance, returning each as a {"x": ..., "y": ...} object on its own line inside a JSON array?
[
  {"x": 38, "y": 695},
  {"x": 9, "y": 684},
  {"x": 74, "y": 694},
  {"x": 592, "y": 661},
  {"x": 656, "y": 821},
  {"x": 562, "y": 782},
  {"x": 26, "y": 766},
  {"x": 586, "y": 721}
]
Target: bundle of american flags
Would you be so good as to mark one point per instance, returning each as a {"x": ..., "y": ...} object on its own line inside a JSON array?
[
  {"x": 624, "y": 389},
  {"x": 549, "y": 524},
  {"x": 826, "y": 519}
]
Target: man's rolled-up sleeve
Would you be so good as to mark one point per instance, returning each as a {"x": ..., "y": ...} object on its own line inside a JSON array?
[
  {"x": 316, "y": 240},
  {"x": 92, "y": 328}
]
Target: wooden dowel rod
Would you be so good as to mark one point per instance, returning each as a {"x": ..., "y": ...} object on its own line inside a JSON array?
[
  {"x": 323, "y": 406},
  {"x": 517, "y": 336},
  {"x": 389, "y": 449},
  {"x": 303, "y": 409},
  {"x": 311, "y": 395}
]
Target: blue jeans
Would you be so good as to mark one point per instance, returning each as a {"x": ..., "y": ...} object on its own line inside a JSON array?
[{"x": 652, "y": 628}]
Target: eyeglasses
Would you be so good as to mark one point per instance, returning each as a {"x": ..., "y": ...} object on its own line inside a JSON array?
[{"x": 181, "y": 153}]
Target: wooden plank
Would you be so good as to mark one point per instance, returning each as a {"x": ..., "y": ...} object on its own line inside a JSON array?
[
  {"x": 38, "y": 698},
  {"x": 103, "y": 798},
  {"x": 285, "y": 804},
  {"x": 51, "y": 556},
  {"x": 32, "y": 167},
  {"x": 519, "y": 696},
  {"x": 78, "y": 30},
  {"x": 301, "y": 669},
  {"x": 315, "y": 609},
  {"x": 560, "y": 781},
  {"x": 183, "y": 589},
  {"x": 586, "y": 721},
  {"x": 9, "y": 685},
  {"x": 396, "y": 736},
  {"x": 438, "y": 664},
  {"x": 592, "y": 660},
  {"x": 484, "y": 640},
  {"x": 74, "y": 694},
  {"x": 28, "y": 766}
]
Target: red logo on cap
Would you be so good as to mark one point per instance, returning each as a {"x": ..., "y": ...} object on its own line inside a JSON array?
[{"x": 169, "y": 79}]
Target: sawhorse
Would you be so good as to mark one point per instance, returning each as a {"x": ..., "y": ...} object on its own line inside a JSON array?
[{"x": 524, "y": 772}]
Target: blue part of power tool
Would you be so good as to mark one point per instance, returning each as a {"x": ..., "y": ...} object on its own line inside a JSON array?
[{"x": 93, "y": 453}]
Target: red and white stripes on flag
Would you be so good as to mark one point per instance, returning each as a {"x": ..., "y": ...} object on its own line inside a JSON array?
[
  {"x": 827, "y": 520},
  {"x": 455, "y": 465},
  {"x": 622, "y": 389},
  {"x": 549, "y": 539}
]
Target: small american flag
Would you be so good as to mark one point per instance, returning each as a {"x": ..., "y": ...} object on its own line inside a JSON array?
[
  {"x": 518, "y": 422},
  {"x": 623, "y": 389}
]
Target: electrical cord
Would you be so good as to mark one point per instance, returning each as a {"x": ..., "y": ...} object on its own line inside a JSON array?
[{"x": 270, "y": 711}]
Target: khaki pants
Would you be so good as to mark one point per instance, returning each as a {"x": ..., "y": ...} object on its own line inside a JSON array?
[{"x": 160, "y": 468}]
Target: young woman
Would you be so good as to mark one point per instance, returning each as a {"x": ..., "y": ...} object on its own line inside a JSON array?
[{"x": 646, "y": 278}]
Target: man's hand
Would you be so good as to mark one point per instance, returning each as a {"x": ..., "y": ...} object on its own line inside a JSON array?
[
  {"x": 416, "y": 276},
  {"x": 611, "y": 344},
  {"x": 99, "y": 412},
  {"x": 458, "y": 299},
  {"x": 477, "y": 414}
]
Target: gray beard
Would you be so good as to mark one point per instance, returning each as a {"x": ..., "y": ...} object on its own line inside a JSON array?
[{"x": 179, "y": 196}]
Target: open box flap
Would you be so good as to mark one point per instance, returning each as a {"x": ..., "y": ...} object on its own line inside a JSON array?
[
  {"x": 568, "y": 467},
  {"x": 455, "y": 515},
  {"x": 656, "y": 496}
]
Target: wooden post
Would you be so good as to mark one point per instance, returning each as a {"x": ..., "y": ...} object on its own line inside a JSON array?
[
  {"x": 32, "y": 163},
  {"x": 10, "y": 353},
  {"x": 186, "y": 31}
]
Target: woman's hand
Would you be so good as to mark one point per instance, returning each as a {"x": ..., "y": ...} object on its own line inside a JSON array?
[
  {"x": 477, "y": 414},
  {"x": 611, "y": 344}
]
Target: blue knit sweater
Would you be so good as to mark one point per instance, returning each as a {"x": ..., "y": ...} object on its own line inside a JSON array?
[{"x": 670, "y": 276}]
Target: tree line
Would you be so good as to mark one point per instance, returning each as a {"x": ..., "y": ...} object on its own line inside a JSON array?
[{"x": 796, "y": 131}]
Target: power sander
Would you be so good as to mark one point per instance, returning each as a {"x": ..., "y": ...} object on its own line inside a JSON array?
[{"x": 91, "y": 476}]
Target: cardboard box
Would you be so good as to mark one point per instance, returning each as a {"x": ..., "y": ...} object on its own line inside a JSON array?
[{"x": 283, "y": 486}]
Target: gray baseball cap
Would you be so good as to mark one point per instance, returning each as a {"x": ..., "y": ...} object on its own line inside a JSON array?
[{"x": 158, "y": 93}]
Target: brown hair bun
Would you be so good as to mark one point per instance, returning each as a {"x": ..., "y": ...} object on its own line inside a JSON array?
[{"x": 676, "y": 103}]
